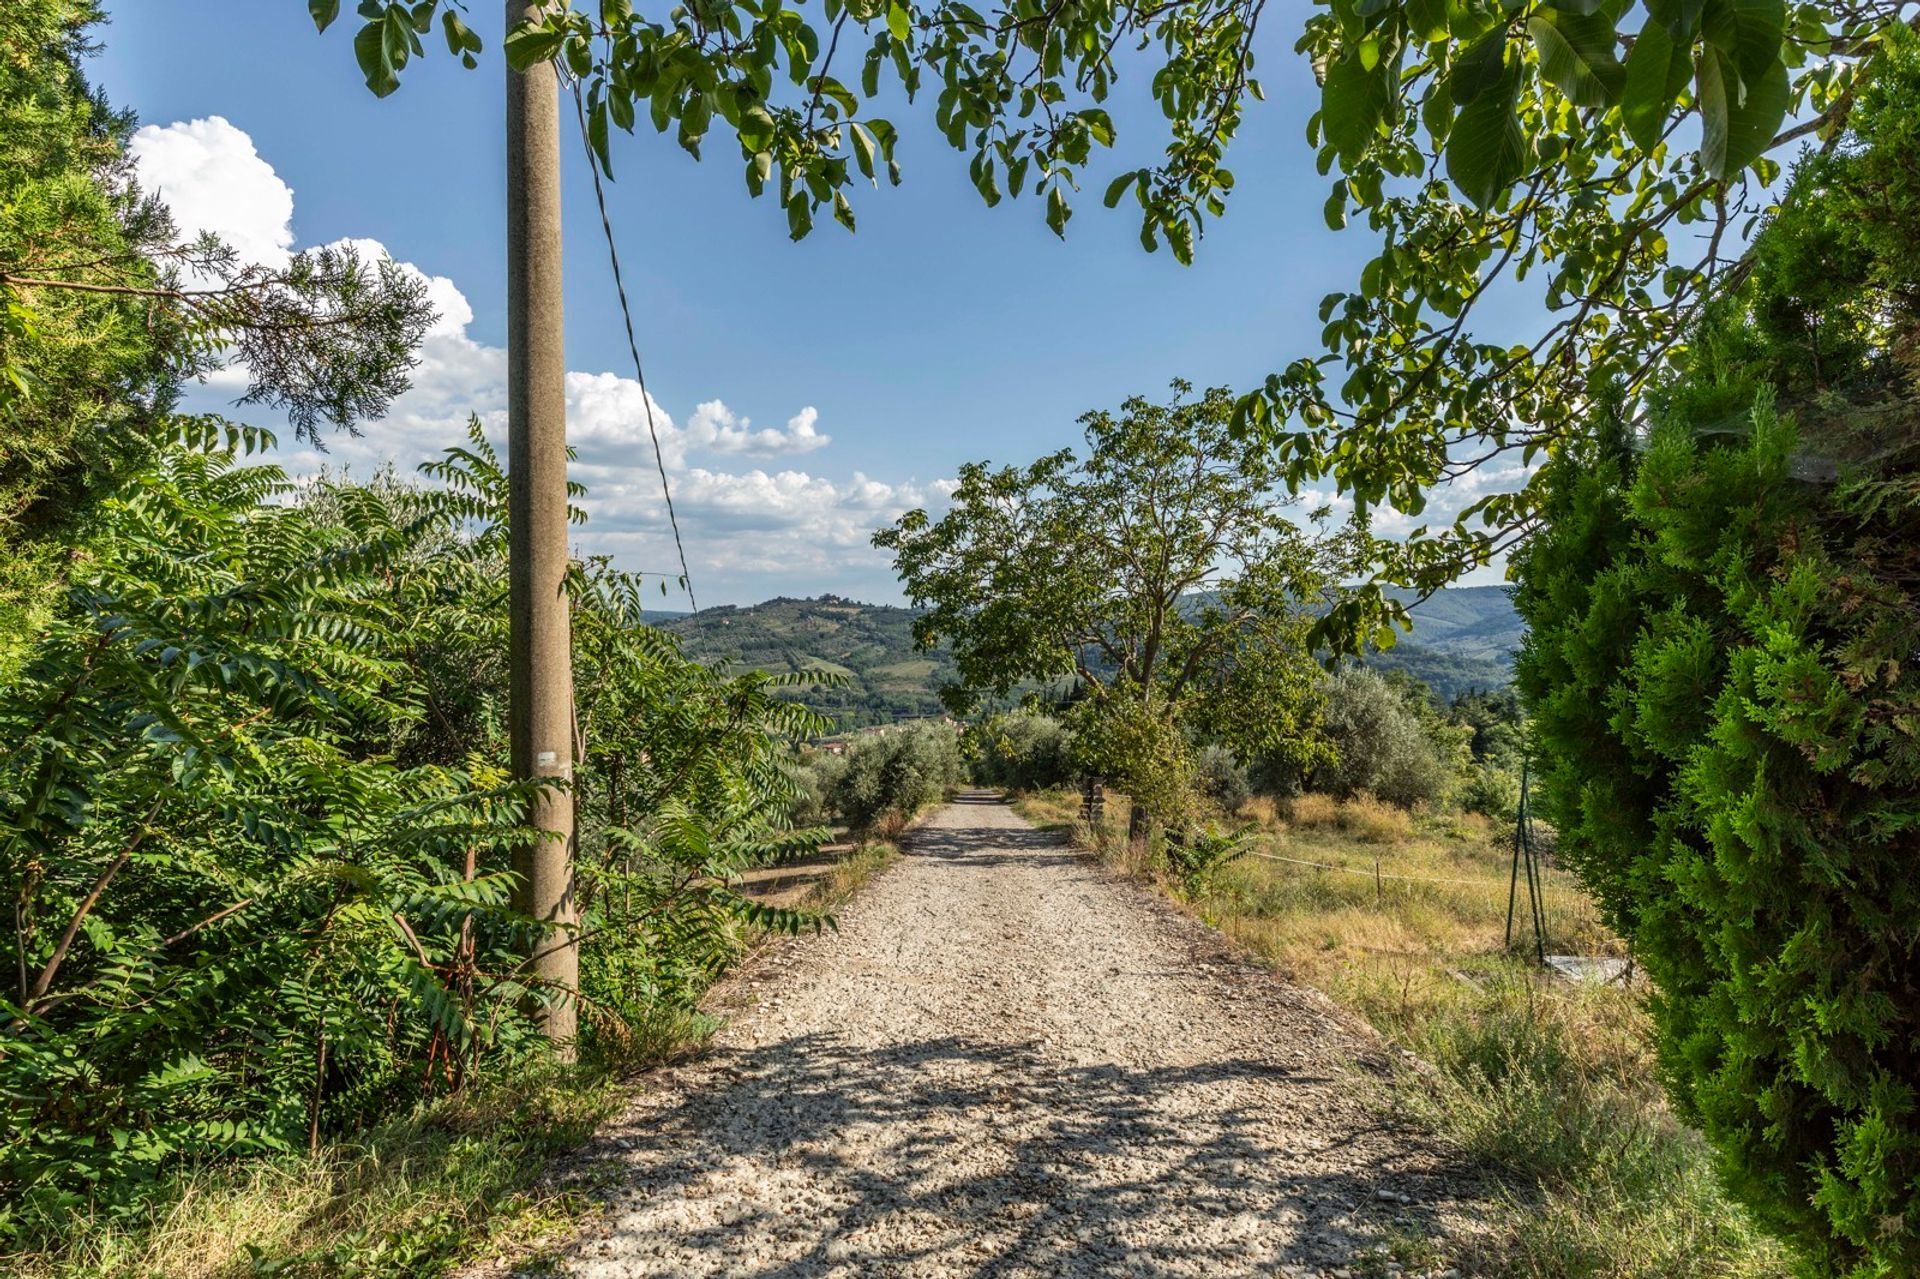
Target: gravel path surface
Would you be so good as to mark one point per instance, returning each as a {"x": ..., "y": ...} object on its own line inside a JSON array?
[{"x": 1009, "y": 1062}]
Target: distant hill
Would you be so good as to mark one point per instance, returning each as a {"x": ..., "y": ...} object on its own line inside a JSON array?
[
  {"x": 1463, "y": 638},
  {"x": 871, "y": 645}
]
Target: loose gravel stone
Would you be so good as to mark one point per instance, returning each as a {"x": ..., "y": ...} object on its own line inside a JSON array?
[{"x": 1009, "y": 1062}]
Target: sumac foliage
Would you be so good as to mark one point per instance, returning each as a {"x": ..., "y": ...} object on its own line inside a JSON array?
[{"x": 255, "y": 821}]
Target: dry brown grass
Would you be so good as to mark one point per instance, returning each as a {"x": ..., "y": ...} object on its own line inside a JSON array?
[
  {"x": 1371, "y": 821},
  {"x": 1049, "y": 809},
  {"x": 851, "y": 873},
  {"x": 1264, "y": 812},
  {"x": 1547, "y": 1079},
  {"x": 1313, "y": 812},
  {"x": 1363, "y": 817}
]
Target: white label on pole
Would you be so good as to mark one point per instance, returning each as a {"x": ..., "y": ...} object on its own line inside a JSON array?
[{"x": 544, "y": 757}]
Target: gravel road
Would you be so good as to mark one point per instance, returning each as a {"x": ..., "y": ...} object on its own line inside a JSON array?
[{"x": 1009, "y": 1062}]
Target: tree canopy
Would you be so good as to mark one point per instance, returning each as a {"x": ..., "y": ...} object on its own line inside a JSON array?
[
  {"x": 1600, "y": 161},
  {"x": 1159, "y": 570},
  {"x": 105, "y": 311},
  {"x": 1604, "y": 162},
  {"x": 1020, "y": 89}
]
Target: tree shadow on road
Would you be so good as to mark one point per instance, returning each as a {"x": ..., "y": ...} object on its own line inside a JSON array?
[
  {"x": 987, "y": 846},
  {"x": 957, "y": 1156}
]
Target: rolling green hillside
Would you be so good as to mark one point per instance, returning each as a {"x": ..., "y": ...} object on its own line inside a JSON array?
[
  {"x": 870, "y": 645},
  {"x": 1463, "y": 639}
]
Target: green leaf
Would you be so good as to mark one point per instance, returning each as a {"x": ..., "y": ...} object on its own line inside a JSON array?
[
  {"x": 1656, "y": 70},
  {"x": 1436, "y": 113},
  {"x": 579, "y": 58},
  {"x": 597, "y": 137},
  {"x": 1487, "y": 150},
  {"x": 1336, "y": 208},
  {"x": 370, "y": 50},
  {"x": 1118, "y": 187},
  {"x": 1748, "y": 31},
  {"x": 1480, "y": 69},
  {"x": 696, "y": 116},
  {"x": 397, "y": 37},
  {"x": 1351, "y": 103},
  {"x": 862, "y": 150},
  {"x": 1735, "y": 131},
  {"x": 799, "y": 217},
  {"x": 1576, "y": 56},
  {"x": 460, "y": 37},
  {"x": 323, "y": 12},
  {"x": 899, "y": 21},
  {"x": 1099, "y": 124},
  {"x": 1427, "y": 19},
  {"x": 620, "y": 107},
  {"x": 1681, "y": 18},
  {"x": 530, "y": 46},
  {"x": 756, "y": 127},
  {"x": 1058, "y": 211}
]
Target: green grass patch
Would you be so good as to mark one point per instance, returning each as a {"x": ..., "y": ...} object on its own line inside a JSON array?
[{"x": 916, "y": 671}]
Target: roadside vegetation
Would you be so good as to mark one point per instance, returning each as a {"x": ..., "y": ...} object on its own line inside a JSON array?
[
  {"x": 452, "y": 1181},
  {"x": 269, "y": 982},
  {"x": 878, "y": 781}
]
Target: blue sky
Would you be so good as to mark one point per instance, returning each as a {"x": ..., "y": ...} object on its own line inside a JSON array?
[{"x": 942, "y": 332}]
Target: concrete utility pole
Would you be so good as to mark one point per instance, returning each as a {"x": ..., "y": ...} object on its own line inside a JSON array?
[{"x": 541, "y": 708}]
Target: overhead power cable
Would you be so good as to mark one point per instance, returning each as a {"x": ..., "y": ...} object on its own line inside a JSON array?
[{"x": 633, "y": 345}]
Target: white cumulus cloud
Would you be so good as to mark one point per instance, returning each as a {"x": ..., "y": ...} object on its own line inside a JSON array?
[
  {"x": 749, "y": 533},
  {"x": 716, "y": 428},
  {"x": 212, "y": 178}
]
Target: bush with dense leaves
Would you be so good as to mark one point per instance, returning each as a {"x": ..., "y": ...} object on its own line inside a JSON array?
[
  {"x": 1386, "y": 741},
  {"x": 896, "y": 772},
  {"x": 1491, "y": 791},
  {"x": 815, "y": 774},
  {"x": 1223, "y": 779},
  {"x": 1021, "y": 751},
  {"x": 1721, "y": 672}
]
